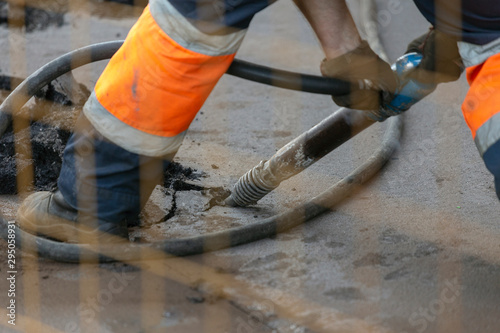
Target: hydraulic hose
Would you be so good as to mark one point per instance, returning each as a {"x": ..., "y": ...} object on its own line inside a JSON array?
[
  {"x": 289, "y": 80},
  {"x": 213, "y": 241}
]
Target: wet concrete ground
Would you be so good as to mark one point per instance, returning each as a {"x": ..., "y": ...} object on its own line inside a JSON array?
[{"x": 415, "y": 250}]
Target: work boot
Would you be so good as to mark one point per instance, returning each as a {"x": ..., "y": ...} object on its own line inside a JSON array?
[{"x": 48, "y": 213}]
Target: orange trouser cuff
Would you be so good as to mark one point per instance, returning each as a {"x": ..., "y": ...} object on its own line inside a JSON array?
[{"x": 155, "y": 85}]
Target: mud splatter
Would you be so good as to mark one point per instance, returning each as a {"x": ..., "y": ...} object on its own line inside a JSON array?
[
  {"x": 396, "y": 274},
  {"x": 371, "y": 259},
  {"x": 345, "y": 294}
]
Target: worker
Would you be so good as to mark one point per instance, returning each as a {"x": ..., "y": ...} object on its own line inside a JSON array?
[
  {"x": 152, "y": 88},
  {"x": 466, "y": 34}
]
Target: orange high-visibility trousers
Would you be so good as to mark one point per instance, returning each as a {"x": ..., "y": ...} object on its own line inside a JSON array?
[
  {"x": 156, "y": 85},
  {"x": 481, "y": 109},
  {"x": 483, "y": 99}
]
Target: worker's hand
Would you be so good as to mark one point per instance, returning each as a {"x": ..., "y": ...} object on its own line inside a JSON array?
[
  {"x": 441, "y": 61},
  {"x": 361, "y": 65}
]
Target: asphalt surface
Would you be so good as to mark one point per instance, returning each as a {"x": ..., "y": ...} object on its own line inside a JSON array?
[{"x": 414, "y": 250}]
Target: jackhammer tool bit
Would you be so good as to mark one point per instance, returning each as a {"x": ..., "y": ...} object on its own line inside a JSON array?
[
  {"x": 326, "y": 136},
  {"x": 298, "y": 155}
]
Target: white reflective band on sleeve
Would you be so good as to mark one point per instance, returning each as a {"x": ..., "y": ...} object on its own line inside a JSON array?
[
  {"x": 488, "y": 134},
  {"x": 473, "y": 54},
  {"x": 126, "y": 136},
  {"x": 185, "y": 34}
]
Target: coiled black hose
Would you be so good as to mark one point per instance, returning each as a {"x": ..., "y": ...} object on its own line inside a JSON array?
[{"x": 212, "y": 241}]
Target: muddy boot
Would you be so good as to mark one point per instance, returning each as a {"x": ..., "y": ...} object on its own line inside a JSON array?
[
  {"x": 48, "y": 213},
  {"x": 102, "y": 189}
]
